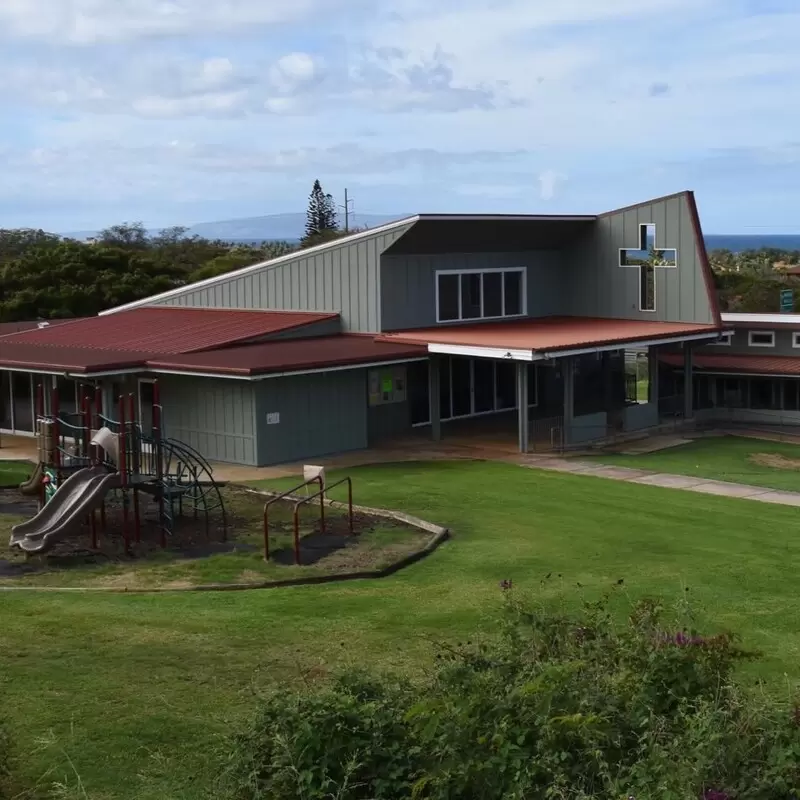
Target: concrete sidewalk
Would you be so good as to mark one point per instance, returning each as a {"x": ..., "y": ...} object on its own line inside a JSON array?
[{"x": 666, "y": 480}]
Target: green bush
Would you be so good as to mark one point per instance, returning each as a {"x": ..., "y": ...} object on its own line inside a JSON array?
[{"x": 552, "y": 707}]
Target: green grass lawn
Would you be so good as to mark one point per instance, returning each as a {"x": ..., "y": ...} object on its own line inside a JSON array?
[
  {"x": 775, "y": 465},
  {"x": 132, "y": 696},
  {"x": 13, "y": 473}
]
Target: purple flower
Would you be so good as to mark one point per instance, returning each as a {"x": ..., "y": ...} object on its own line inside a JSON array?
[
  {"x": 505, "y": 585},
  {"x": 715, "y": 794}
]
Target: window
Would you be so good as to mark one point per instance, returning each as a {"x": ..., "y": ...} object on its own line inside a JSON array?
[
  {"x": 761, "y": 339},
  {"x": 476, "y": 294},
  {"x": 763, "y": 394},
  {"x": 647, "y": 288},
  {"x": 796, "y": 339},
  {"x": 724, "y": 340}
]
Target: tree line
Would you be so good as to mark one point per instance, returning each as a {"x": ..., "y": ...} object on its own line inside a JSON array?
[
  {"x": 46, "y": 276},
  {"x": 752, "y": 280}
]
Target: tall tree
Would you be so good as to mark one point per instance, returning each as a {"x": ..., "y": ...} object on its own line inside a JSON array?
[
  {"x": 321, "y": 224},
  {"x": 128, "y": 235},
  {"x": 329, "y": 214}
]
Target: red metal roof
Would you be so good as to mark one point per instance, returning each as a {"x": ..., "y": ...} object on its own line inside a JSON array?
[
  {"x": 549, "y": 333},
  {"x": 164, "y": 329},
  {"x": 39, "y": 358},
  {"x": 747, "y": 365},
  {"x": 289, "y": 355},
  {"x": 29, "y": 325}
]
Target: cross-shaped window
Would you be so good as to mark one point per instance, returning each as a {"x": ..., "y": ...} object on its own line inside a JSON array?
[{"x": 647, "y": 258}]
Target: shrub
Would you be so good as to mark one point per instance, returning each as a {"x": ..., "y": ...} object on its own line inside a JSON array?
[{"x": 552, "y": 707}]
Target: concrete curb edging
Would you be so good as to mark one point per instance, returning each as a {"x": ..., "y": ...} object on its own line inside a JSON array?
[{"x": 438, "y": 533}]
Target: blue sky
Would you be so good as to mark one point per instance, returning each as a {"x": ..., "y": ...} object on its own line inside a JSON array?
[{"x": 184, "y": 111}]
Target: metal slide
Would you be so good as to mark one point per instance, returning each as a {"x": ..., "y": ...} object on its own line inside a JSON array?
[
  {"x": 32, "y": 486},
  {"x": 75, "y": 499}
]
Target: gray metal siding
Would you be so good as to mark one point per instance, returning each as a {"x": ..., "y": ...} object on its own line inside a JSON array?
[
  {"x": 327, "y": 327},
  {"x": 388, "y": 421},
  {"x": 739, "y": 345},
  {"x": 215, "y": 416},
  {"x": 598, "y": 286},
  {"x": 408, "y": 283},
  {"x": 343, "y": 279},
  {"x": 320, "y": 414}
]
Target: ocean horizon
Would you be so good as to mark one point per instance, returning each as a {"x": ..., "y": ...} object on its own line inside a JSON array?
[
  {"x": 738, "y": 242},
  {"x": 735, "y": 242}
]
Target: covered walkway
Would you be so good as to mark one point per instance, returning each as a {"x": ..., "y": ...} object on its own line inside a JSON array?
[{"x": 579, "y": 355}]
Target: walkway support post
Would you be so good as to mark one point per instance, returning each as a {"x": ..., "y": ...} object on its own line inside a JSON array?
[
  {"x": 568, "y": 380},
  {"x": 434, "y": 383},
  {"x": 522, "y": 406},
  {"x": 652, "y": 374},
  {"x": 688, "y": 387}
]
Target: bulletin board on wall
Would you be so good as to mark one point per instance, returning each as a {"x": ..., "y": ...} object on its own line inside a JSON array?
[{"x": 387, "y": 385}]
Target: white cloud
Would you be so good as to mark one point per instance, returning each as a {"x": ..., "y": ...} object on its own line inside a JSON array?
[
  {"x": 293, "y": 69},
  {"x": 85, "y": 22},
  {"x": 605, "y": 92},
  {"x": 549, "y": 180}
]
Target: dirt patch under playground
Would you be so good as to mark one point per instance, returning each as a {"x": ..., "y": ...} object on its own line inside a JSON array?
[
  {"x": 198, "y": 553},
  {"x": 775, "y": 461}
]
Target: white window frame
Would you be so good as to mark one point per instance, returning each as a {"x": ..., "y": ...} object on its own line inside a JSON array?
[
  {"x": 725, "y": 340},
  {"x": 751, "y": 343},
  {"x": 523, "y": 290},
  {"x": 795, "y": 338}
]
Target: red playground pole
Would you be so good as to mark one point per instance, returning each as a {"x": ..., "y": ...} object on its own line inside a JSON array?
[
  {"x": 39, "y": 423},
  {"x": 157, "y": 456},
  {"x": 123, "y": 472},
  {"x": 136, "y": 457},
  {"x": 98, "y": 410},
  {"x": 90, "y": 452},
  {"x": 56, "y": 435}
]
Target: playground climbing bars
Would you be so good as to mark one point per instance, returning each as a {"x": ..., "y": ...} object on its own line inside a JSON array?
[
  {"x": 321, "y": 495},
  {"x": 317, "y": 479}
]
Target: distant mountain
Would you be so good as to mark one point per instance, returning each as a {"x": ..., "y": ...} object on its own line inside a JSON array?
[{"x": 282, "y": 227}]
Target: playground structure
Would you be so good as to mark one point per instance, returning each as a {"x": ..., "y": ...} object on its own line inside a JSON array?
[
  {"x": 318, "y": 480},
  {"x": 96, "y": 455}
]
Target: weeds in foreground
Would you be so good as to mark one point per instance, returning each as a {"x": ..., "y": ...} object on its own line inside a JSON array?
[{"x": 552, "y": 706}]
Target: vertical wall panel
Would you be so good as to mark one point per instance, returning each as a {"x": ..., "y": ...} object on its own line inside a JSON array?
[
  {"x": 320, "y": 414},
  {"x": 344, "y": 279},
  {"x": 215, "y": 416},
  {"x": 613, "y": 291}
]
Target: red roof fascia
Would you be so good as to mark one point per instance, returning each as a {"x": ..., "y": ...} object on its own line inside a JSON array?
[
  {"x": 166, "y": 329},
  {"x": 548, "y": 333},
  {"x": 289, "y": 356},
  {"x": 36, "y": 358},
  {"x": 750, "y": 365}
]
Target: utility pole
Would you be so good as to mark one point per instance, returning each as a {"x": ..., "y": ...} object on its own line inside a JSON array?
[{"x": 346, "y": 209}]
